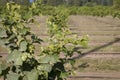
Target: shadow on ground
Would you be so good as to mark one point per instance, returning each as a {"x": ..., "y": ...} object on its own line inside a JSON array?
[{"x": 97, "y": 48}]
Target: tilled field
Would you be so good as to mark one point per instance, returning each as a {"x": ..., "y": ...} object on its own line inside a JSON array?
[{"x": 103, "y": 49}]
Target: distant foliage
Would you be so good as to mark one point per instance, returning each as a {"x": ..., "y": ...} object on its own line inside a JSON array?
[
  {"x": 61, "y": 2},
  {"x": 116, "y": 4}
]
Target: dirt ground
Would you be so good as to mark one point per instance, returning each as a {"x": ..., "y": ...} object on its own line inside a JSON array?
[
  {"x": 102, "y": 34},
  {"x": 95, "y": 76}
]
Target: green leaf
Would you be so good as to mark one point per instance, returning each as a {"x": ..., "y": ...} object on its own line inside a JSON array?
[
  {"x": 27, "y": 15},
  {"x": 25, "y": 78},
  {"x": 45, "y": 67},
  {"x": 33, "y": 5},
  {"x": 84, "y": 42},
  {"x": 19, "y": 60},
  {"x": 2, "y": 32},
  {"x": 24, "y": 31},
  {"x": 32, "y": 75},
  {"x": 64, "y": 75},
  {"x": 72, "y": 62},
  {"x": 48, "y": 59},
  {"x": 19, "y": 39},
  {"x": 15, "y": 57},
  {"x": 3, "y": 66},
  {"x": 23, "y": 46},
  {"x": 11, "y": 37},
  {"x": 13, "y": 76},
  {"x": 8, "y": 6}
]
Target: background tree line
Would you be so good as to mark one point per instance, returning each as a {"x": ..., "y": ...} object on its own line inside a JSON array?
[
  {"x": 77, "y": 2},
  {"x": 63, "y": 2},
  {"x": 23, "y": 2},
  {"x": 115, "y": 3}
]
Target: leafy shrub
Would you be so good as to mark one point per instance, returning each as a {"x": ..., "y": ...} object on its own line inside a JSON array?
[
  {"x": 18, "y": 38},
  {"x": 22, "y": 63}
]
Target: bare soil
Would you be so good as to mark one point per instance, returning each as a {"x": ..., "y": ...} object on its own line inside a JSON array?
[{"x": 95, "y": 76}]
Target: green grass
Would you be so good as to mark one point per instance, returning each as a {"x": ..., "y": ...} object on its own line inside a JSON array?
[{"x": 98, "y": 65}]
